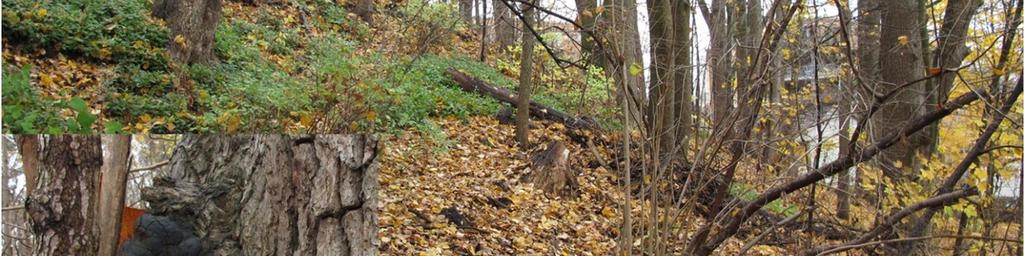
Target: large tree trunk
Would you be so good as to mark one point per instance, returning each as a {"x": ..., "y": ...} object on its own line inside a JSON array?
[
  {"x": 719, "y": 64},
  {"x": 748, "y": 33},
  {"x": 274, "y": 194},
  {"x": 682, "y": 74},
  {"x": 623, "y": 33},
  {"x": 504, "y": 25},
  {"x": 867, "y": 33},
  {"x": 900, "y": 63},
  {"x": 62, "y": 208},
  {"x": 193, "y": 25},
  {"x": 111, "y": 191},
  {"x": 661, "y": 109},
  {"x": 466, "y": 10},
  {"x": 844, "y": 113},
  {"x": 586, "y": 13}
]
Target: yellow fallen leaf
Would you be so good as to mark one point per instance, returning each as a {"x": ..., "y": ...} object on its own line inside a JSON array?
[
  {"x": 306, "y": 119},
  {"x": 45, "y": 80},
  {"x": 608, "y": 212}
]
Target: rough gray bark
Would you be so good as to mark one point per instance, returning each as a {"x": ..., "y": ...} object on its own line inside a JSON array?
[
  {"x": 274, "y": 194},
  {"x": 683, "y": 73},
  {"x": 504, "y": 26},
  {"x": 111, "y": 191},
  {"x": 624, "y": 36},
  {"x": 586, "y": 14},
  {"x": 900, "y": 62},
  {"x": 61, "y": 208},
  {"x": 661, "y": 108},
  {"x": 868, "y": 28},
  {"x": 719, "y": 65},
  {"x": 193, "y": 25}
]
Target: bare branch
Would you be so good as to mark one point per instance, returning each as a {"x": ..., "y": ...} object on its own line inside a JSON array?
[{"x": 894, "y": 219}]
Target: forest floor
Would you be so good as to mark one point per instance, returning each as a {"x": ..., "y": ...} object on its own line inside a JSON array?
[{"x": 471, "y": 167}]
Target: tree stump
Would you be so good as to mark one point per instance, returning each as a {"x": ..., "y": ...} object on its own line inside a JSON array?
[
  {"x": 550, "y": 170},
  {"x": 273, "y": 194}
]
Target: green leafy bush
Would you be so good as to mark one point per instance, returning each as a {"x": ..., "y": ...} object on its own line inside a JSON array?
[
  {"x": 419, "y": 89},
  {"x": 117, "y": 30}
]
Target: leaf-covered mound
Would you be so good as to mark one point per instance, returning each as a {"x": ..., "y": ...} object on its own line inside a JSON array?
[{"x": 458, "y": 191}]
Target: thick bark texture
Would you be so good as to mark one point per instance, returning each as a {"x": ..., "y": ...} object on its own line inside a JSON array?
[
  {"x": 274, "y": 194},
  {"x": 62, "y": 208},
  {"x": 193, "y": 24}
]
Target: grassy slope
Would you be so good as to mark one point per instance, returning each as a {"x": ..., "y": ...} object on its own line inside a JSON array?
[{"x": 279, "y": 70}]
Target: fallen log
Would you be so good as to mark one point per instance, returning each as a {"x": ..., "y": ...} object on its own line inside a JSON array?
[{"x": 472, "y": 84}]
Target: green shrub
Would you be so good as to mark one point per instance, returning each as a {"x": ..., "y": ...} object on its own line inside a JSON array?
[
  {"x": 231, "y": 45},
  {"x": 419, "y": 89},
  {"x": 115, "y": 30}
]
